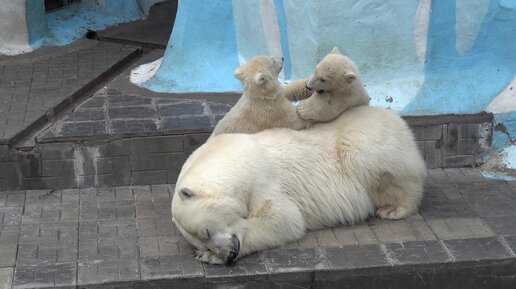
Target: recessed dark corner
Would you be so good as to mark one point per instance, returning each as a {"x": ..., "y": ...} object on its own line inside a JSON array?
[
  {"x": 500, "y": 127},
  {"x": 91, "y": 35}
]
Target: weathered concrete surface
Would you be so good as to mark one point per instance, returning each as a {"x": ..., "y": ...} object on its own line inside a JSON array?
[
  {"x": 152, "y": 32},
  {"x": 14, "y": 34},
  {"x": 34, "y": 87},
  {"x": 462, "y": 237}
]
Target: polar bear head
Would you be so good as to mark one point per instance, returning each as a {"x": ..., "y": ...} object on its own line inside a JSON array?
[
  {"x": 334, "y": 72},
  {"x": 210, "y": 202},
  {"x": 260, "y": 73},
  {"x": 209, "y": 223}
]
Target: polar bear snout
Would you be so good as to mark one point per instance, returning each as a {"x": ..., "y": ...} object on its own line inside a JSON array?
[{"x": 234, "y": 250}]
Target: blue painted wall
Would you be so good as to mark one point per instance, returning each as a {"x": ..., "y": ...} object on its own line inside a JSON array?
[
  {"x": 466, "y": 83},
  {"x": 418, "y": 57},
  {"x": 202, "y": 50}
]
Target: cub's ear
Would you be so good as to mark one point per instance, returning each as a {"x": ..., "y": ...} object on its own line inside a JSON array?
[
  {"x": 186, "y": 193},
  {"x": 238, "y": 73},
  {"x": 260, "y": 79},
  {"x": 335, "y": 50},
  {"x": 350, "y": 77}
]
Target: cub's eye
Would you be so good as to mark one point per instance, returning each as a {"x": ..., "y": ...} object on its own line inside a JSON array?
[{"x": 323, "y": 80}]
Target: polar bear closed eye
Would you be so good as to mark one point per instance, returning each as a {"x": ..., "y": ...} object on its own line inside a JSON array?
[
  {"x": 263, "y": 103},
  {"x": 337, "y": 87}
]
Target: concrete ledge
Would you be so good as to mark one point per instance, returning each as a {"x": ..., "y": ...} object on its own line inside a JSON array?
[
  {"x": 123, "y": 237},
  {"x": 129, "y": 150}
]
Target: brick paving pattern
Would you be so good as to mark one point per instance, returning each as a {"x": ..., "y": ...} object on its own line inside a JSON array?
[
  {"x": 31, "y": 87},
  {"x": 124, "y": 235},
  {"x": 113, "y": 112}
]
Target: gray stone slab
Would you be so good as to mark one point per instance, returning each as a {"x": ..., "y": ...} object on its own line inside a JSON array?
[
  {"x": 45, "y": 276},
  {"x": 170, "y": 267},
  {"x": 416, "y": 252},
  {"x": 9, "y": 234},
  {"x": 460, "y": 228},
  {"x": 10, "y": 216},
  {"x": 114, "y": 112},
  {"x": 6, "y": 277},
  {"x": 510, "y": 241},
  {"x": 350, "y": 257},
  {"x": 108, "y": 271},
  {"x": 477, "y": 249},
  {"x": 43, "y": 233},
  {"x": 107, "y": 229},
  {"x": 46, "y": 253},
  {"x": 155, "y": 227},
  {"x": 502, "y": 225},
  {"x": 108, "y": 250},
  {"x": 12, "y": 198},
  {"x": 360, "y": 234},
  {"x": 51, "y": 213},
  {"x": 291, "y": 260},
  {"x": 8, "y": 254}
]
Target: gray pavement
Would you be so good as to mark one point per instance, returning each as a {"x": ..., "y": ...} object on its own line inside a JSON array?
[
  {"x": 34, "y": 86},
  {"x": 112, "y": 112},
  {"x": 152, "y": 32},
  {"x": 123, "y": 237}
]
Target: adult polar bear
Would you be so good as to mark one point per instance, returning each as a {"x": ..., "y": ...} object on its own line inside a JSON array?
[{"x": 239, "y": 194}]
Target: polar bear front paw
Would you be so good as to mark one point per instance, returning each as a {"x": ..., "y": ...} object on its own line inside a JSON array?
[
  {"x": 306, "y": 111},
  {"x": 208, "y": 256}
]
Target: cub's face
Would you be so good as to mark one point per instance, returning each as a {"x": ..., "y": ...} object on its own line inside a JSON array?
[
  {"x": 333, "y": 72},
  {"x": 259, "y": 71},
  {"x": 209, "y": 223}
]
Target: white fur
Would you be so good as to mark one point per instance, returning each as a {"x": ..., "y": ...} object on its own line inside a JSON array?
[
  {"x": 264, "y": 103},
  {"x": 337, "y": 87},
  {"x": 267, "y": 189}
]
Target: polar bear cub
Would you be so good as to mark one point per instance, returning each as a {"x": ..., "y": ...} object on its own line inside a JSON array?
[
  {"x": 337, "y": 87},
  {"x": 263, "y": 104},
  {"x": 241, "y": 193}
]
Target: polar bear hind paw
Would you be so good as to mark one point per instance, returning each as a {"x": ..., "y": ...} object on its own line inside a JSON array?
[
  {"x": 207, "y": 256},
  {"x": 391, "y": 212}
]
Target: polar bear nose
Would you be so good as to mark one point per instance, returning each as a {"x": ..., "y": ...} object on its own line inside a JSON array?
[
  {"x": 231, "y": 257},
  {"x": 235, "y": 249},
  {"x": 282, "y": 59}
]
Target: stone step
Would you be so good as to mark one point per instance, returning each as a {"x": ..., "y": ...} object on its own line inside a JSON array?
[{"x": 463, "y": 236}]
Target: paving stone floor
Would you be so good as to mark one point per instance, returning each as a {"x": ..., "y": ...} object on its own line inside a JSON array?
[
  {"x": 33, "y": 84},
  {"x": 123, "y": 237},
  {"x": 113, "y": 112}
]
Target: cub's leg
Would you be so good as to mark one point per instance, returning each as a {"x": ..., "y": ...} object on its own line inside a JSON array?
[{"x": 297, "y": 90}]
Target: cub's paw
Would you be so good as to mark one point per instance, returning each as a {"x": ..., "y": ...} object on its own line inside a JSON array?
[
  {"x": 306, "y": 110},
  {"x": 391, "y": 212},
  {"x": 208, "y": 256}
]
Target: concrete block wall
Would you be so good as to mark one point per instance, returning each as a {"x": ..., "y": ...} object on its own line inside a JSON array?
[
  {"x": 443, "y": 142},
  {"x": 122, "y": 162}
]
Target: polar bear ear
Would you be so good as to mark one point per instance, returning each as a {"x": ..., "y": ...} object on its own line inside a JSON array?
[
  {"x": 238, "y": 73},
  {"x": 260, "y": 78},
  {"x": 186, "y": 193},
  {"x": 335, "y": 50},
  {"x": 350, "y": 77}
]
